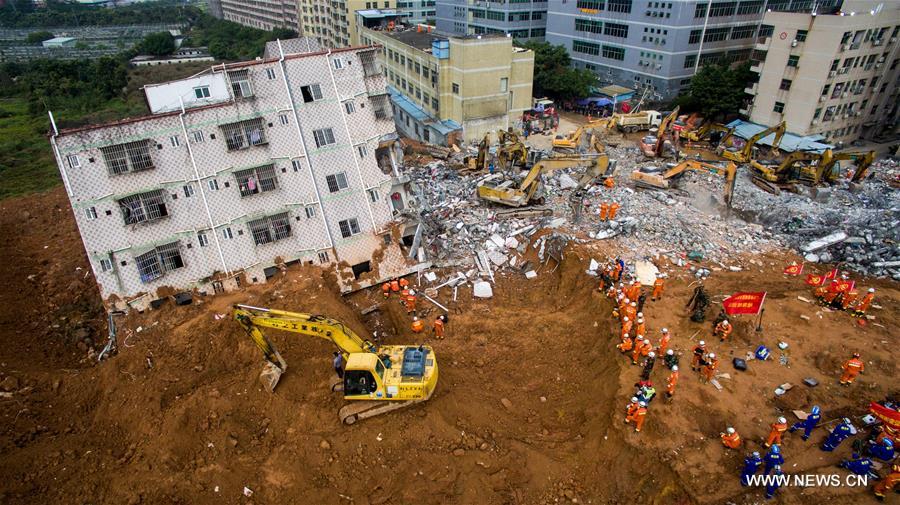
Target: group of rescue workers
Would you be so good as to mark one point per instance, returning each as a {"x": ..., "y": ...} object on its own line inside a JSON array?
[
  {"x": 407, "y": 297},
  {"x": 626, "y": 293}
]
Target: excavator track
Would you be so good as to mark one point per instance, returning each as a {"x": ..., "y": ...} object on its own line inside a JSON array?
[{"x": 359, "y": 410}]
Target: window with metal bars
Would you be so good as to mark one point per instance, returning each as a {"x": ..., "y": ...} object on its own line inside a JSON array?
[
  {"x": 369, "y": 64},
  {"x": 270, "y": 228},
  {"x": 143, "y": 207},
  {"x": 154, "y": 264},
  {"x": 579, "y": 46},
  {"x": 596, "y": 5},
  {"x": 616, "y": 30},
  {"x": 588, "y": 25},
  {"x": 324, "y": 137},
  {"x": 256, "y": 180},
  {"x": 382, "y": 106},
  {"x": 244, "y": 134},
  {"x": 128, "y": 157},
  {"x": 337, "y": 182},
  {"x": 240, "y": 83},
  {"x": 349, "y": 227}
]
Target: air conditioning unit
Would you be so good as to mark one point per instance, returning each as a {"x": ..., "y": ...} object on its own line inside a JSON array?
[
  {"x": 815, "y": 121},
  {"x": 844, "y": 94},
  {"x": 843, "y": 47},
  {"x": 823, "y": 98},
  {"x": 832, "y": 73},
  {"x": 877, "y": 42},
  {"x": 794, "y": 43},
  {"x": 658, "y": 66},
  {"x": 893, "y": 39},
  {"x": 880, "y": 60},
  {"x": 877, "y": 66}
]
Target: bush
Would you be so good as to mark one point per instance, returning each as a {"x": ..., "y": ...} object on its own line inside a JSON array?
[
  {"x": 157, "y": 44},
  {"x": 38, "y": 37}
]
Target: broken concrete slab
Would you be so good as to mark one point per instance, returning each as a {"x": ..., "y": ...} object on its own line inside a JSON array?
[
  {"x": 483, "y": 289},
  {"x": 531, "y": 274},
  {"x": 826, "y": 241}
]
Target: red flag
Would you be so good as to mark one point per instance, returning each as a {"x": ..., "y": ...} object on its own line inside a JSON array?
[
  {"x": 887, "y": 416},
  {"x": 815, "y": 280},
  {"x": 744, "y": 303},
  {"x": 840, "y": 286},
  {"x": 832, "y": 274},
  {"x": 794, "y": 269}
]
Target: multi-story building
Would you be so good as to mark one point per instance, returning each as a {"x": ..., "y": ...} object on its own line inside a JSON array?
[
  {"x": 262, "y": 14},
  {"x": 419, "y": 11},
  {"x": 833, "y": 73},
  {"x": 522, "y": 20},
  {"x": 441, "y": 83},
  {"x": 658, "y": 45},
  {"x": 241, "y": 169}
]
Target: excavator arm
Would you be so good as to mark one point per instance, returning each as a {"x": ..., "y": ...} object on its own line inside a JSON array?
[
  {"x": 863, "y": 162},
  {"x": 662, "y": 181},
  {"x": 663, "y": 128},
  {"x": 778, "y": 130}
]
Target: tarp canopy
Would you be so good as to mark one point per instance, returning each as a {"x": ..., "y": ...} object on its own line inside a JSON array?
[
  {"x": 599, "y": 101},
  {"x": 789, "y": 143}
]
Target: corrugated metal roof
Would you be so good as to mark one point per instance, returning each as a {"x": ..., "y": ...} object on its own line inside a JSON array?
[
  {"x": 789, "y": 143},
  {"x": 419, "y": 114}
]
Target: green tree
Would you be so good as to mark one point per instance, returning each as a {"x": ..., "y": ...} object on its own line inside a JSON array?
[
  {"x": 553, "y": 75},
  {"x": 717, "y": 90},
  {"x": 158, "y": 44},
  {"x": 38, "y": 37}
]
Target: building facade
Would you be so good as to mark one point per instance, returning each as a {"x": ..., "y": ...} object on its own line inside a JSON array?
[
  {"x": 262, "y": 14},
  {"x": 834, "y": 75},
  {"x": 240, "y": 170},
  {"x": 440, "y": 83},
  {"x": 419, "y": 11},
  {"x": 523, "y": 20},
  {"x": 656, "y": 46}
]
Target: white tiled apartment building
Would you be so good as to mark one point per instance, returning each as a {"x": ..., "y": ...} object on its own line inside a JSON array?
[{"x": 240, "y": 169}]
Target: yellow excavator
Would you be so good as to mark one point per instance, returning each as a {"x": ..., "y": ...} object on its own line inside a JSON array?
[
  {"x": 511, "y": 154},
  {"x": 376, "y": 379},
  {"x": 794, "y": 167},
  {"x": 652, "y": 147},
  {"x": 706, "y": 131},
  {"x": 863, "y": 161},
  {"x": 669, "y": 178},
  {"x": 744, "y": 155},
  {"x": 507, "y": 191},
  {"x": 572, "y": 141}
]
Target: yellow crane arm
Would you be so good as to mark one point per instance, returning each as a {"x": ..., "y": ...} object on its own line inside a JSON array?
[
  {"x": 778, "y": 130},
  {"x": 254, "y": 318}
]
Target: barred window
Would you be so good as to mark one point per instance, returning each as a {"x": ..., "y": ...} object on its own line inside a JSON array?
[
  {"x": 614, "y": 53},
  {"x": 337, "y": 182},
  {"x": 616, "y": 30},
  {"x": 256, "y": 180},
  {"x": 324, "y": 137},
  {"x": 579, "y": 46},
  {"x": 716, "y": 34},
  {"x": 349, "y": 227},
  {"x": 244, "y": 134},
  {"x": 619, "y": 6},
  {"x": 743, "y": 32},
  {"x": 596, "y": 5},
  {"x": 154, "y": 264},
  {"x": 694, "y": 38},
  {"x": 129, "y": 157},
  {"x": 240, "y": 83},
  {"x": 690, "y": 60},
  {"x": 381, "y": 106},
  {"x": 720, "y": 9},
  {"x": 270, "y": 229},
  {"x": 750, "y": 7},
  {"x": 143, "y": 207}
]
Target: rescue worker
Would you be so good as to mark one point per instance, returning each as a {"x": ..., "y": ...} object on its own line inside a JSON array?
[
  {"x": 671, "y": 382},
  {"x": 640, "y": 303},
  {"x": 438, "y": 327},
  {"x": 386, "y": 289},
  {"x": 641, "y": 329},
  {"x": 778, "y": 429},
  {"x": 664, "y": 342},
  {"x": 773, "y": 484},
  {"x": 671, "y": 359},
  {"x": 613, "y": 210},
  {"x": 887, "y": 484},
  {"x": 604, "y": 211},
  {"x": 404, "y": 284},
  {"x": 417, "y": 325},
  {"x": 751, "y": 466},
  {"x": 773, "y": 458},
  {"x": 859, "y": 465},
  {"x": 338, "y": 363},
  {"x": 808, "y": 424},
  {"x": 626, "y": 345},
  {"x": 631, "y": 310},
  {"x": 838, "y": 435},
  {"x": 864, "y": 304},
  {"x": 730, "y": 438},
  {"x": 631, "y": 408},
  {"x": 723, "y": 330},
  {"x": 883, "y": 450},
  {"x": 657, "y": 289},
  {"x": 647, "y": 392},
  {"x": 712, "y": 364},
  {"x": 699, "y": 351},
  {"x": 395, "y": 286},
  {"x": 648, "y": 365},
  {"x": 640, "y": 349},
  {"x": 848, "y": 299},
  {"x": 852, "y": 367},
  {"x": 634, "y": 290},
  {"x": 638, "y": 416},
  {"x": 411, "y": 302},
  {"x": 626, "y": 327}
]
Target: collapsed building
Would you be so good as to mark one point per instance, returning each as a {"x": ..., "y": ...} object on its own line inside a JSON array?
[{"x": 241, "y": 169}]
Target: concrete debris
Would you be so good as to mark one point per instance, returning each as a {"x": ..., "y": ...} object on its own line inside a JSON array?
[
  {"x": 531, "y": 274},
  {"x": 483, "y": 289},
  {"x": 822, "y": 243}
]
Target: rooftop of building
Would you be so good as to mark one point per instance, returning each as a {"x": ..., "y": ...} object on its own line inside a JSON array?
[{"x": 421, "y": 38}]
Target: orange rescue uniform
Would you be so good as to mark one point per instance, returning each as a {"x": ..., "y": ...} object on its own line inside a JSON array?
[
  {"x": 671, "y": 381},
  {"x": 626, "y": 328},
  {"x": 657, "y": 289},
  {"x": 604, "y": 211},
  {"x": 642, "y": 349},
  {"x": 775, "y": 433},
  {"x": 732, "y": 441},
  {"x": 418, "y": 326},
  {"x": 864, "y": 304},
  {"x": 710, "y": 369},
  {"x": 626, "y": 345},
  {"x": 723, "y": 330},
  {"x": 386, "y": 289},
  {"x": 848, "y": 299},
  {"x": 664, "y": 344},
  {"x": 395, "y": 286},
  {"x": 613, "y": 209},
  {"x": 439, "y": 327},
  {"x": 410, "y": 303},
  {"x": 887, "y": 484},
  {"x": 641, "y": 329},
  {"x": 639, "y": 416},
  {"x": 852, "y": 367}
]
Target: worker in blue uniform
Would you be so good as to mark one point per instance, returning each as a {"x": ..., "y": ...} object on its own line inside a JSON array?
[
  {"x": 773, "y": 458},
  {"x": 751, "y": 466},
  {"x": 808, "y": 424},
  {"x": 838, "y": 435}
]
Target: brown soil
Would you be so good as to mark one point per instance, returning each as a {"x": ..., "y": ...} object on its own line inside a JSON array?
[{"x": 528, "y": 408}]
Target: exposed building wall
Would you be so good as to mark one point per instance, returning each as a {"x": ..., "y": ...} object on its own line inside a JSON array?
[
  {"x": 830, "y": 74},
  {"x": 262, "y": 14},
  {"x": 420, "y": 11},
  {"x": 521, "y": 20},
  {"x": 325, "y": 195}
]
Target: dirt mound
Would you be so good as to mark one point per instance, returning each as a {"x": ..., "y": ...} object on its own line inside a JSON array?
[{"x": 528, "y": 408}]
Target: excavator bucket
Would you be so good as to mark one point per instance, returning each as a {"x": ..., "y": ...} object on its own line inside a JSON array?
[{"x": 270, "y": 376}]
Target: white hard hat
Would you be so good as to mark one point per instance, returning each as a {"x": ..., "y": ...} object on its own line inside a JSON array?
[
  {"x": 725, "y": 321},
  {"x": 412, "y": 291},
  {"x": 782, "y": 420},
  {"x": 712, "y": 355},
  {"x": 640, "y": 319},
  {"x": 730, "y": 430},
  {"x": 675, "y": 368},
  {"x": 634, "y": 398},
  {"x": 634, "y": 304},
  {"x": 665, "y": 330},
  {"x": 642, "y": 404},
  {"x": 625, "y": 318},
  {"x": 652, "y": 354},
  {"x": 640, "y": 315},
  {"x": 871, "y": 290},
  {"x": 702, "y": 343},
  {"x": 415, "y": 318},
  {"x": 624, "y": 335},
  {"x": 670, "y": 352}
]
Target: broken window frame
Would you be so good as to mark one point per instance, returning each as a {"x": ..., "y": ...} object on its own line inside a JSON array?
[
  {"x": 324, "y": 137},
  {"x": 155, "y": 263},
  {"x": 143, "y": 207}
]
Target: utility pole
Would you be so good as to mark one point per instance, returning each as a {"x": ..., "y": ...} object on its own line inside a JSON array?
[{"x": 702, "y": 36}]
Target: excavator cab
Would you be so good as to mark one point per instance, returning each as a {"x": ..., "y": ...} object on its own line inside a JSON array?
[{"x": 363, "y": 377}]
